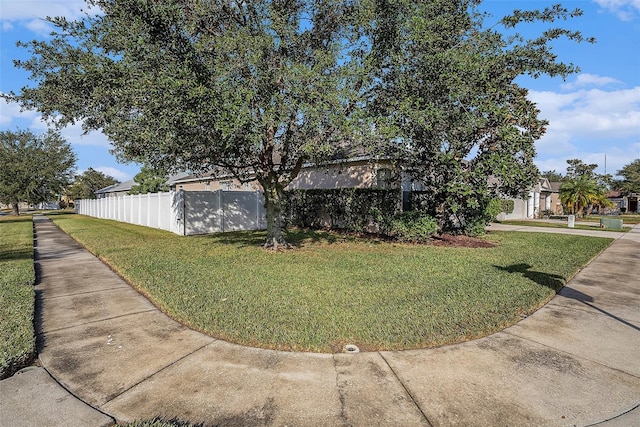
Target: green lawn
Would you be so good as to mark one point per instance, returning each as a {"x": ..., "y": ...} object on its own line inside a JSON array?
[
  {"x": 595, "y": 225},
  {"x": 333, "y": 290},
  {"x": 17, "y": 276},
  {"x": 627, "y": 219}
]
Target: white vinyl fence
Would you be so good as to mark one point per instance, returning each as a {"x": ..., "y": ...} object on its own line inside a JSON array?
[{"x": 183, "y": 212}]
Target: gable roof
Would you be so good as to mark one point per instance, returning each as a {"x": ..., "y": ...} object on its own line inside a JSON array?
[{"x": 116, "y": 188}]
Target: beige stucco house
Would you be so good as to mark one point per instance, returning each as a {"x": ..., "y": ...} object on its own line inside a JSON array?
[{"x": 359, "y": 172}]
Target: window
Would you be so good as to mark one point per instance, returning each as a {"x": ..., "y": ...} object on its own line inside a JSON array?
[
  {"x": 226, "y": 185},
  {"x": 383, "y": 178}
]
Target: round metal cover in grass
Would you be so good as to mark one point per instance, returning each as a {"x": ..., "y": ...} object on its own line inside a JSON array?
[{"x": 351, "y": 348}]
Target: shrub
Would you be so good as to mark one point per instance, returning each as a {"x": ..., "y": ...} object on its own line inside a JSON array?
[
  {"x": 351, "y": 209},
  {"x": 506, "y": 206},
  {"x": 547, "y": 213},
  {"x": 414, "y": 227}
]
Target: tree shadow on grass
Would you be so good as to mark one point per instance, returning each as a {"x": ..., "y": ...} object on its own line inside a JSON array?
[
  {"x": 8, "y": 253},
  {"x": 555, "y": 282},
  {"x": 551, "y": 281},
  {"x": 294, "y": 237}
]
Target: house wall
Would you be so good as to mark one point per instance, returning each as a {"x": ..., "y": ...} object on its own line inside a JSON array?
[
  {"x": 360, "y": 174},
  {"x": 556, "y": 204},
  {"x": 352, "y": 175},
  {"x": 112, "y": 194}
]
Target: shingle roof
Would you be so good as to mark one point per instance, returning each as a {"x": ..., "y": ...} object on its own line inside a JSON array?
[{"x": 115, "y": 188}]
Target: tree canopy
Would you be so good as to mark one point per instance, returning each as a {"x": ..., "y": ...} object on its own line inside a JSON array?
[
  {"x": 445, "y": 86},
  {"x": 553, "y": 176},
  {"x": 630, "y": 182},
  {"x": 88, "y": 182},
  {"x": 35, "y": 167},
  {"x": 256, "y": 89},
  {"x": 149, "y": 180},
  {"x": 582, "y": 188}
]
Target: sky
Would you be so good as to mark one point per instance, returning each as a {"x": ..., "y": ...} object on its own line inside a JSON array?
[{"x": 594, "y": 115}]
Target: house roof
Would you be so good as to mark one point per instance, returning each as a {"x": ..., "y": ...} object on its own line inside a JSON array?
[
  {"x": 116, "y": 188},
  {"x": 127, "y": 185}
]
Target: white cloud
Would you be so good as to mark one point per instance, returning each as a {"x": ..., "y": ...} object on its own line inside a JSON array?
[
  {"x": 609, "y": 160},
  {"x": 114, "y": 172},
  {"x": 10, "y": 114},
  {"x": 31, "y": 14},
  {"x": 12, "y": 117},
  {"x": 592, "y": 114},
  {"x": 39, "y": 26},
  {"x": 589, "y": 125},
  {"x": 625, "y": 10},
  {"x": 27, "y": 10},
  {"x": 587, "y": 79}
]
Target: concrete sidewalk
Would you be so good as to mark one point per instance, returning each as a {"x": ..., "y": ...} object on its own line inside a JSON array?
[{"x": 575, "y": 362}]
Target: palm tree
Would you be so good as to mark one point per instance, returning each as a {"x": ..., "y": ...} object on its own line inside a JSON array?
[{"x": 577, "y": 193}]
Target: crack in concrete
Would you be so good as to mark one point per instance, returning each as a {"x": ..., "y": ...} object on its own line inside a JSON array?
[
  {"x": 406, "y": 389},
  {"x": 148, "y": 377}
]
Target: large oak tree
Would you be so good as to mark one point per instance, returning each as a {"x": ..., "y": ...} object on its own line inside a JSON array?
[
  {"x": 256, "y": 89},
  {"x": 34, "y": 168},
  {"x": 88, "y": 182}
]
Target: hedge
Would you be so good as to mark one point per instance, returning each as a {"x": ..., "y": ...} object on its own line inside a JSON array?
[{"x": 351, "y": 209}]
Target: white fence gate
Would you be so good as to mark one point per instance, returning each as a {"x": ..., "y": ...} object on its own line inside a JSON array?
[{"x": 183, "y": 212}]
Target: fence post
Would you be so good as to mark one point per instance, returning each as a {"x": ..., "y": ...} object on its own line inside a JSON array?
[
  {"x": 256, "y": 193},
  {"x": 221, "y": 210},
  {"x": 177, "y": 215}
]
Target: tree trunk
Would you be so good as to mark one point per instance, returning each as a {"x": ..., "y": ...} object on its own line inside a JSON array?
[
  {"x": 273, "y": 207},
  {"x": 16, "y": 208}
]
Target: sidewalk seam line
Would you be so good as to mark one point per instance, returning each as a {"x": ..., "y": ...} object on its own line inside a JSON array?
[
  {"x": 395, "y": 374},
  {"x": 81, "y": 293},
  {"x": 96, "y": 408},
  {"x": 98, "y": 321},
  {"x": 341, "y": 395},
  {"x": 157, "y": 372}
]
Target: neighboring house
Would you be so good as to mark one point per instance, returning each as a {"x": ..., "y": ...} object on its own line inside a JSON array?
[
  {"x": 123, "y": 188},
  {"x": 556, "y": 203},
  {"x": 115, "y": 190},
  {"x": 624, "y": 203},
  {"x": 542, "y": 197},
  {"x": 356, "y": 172}
]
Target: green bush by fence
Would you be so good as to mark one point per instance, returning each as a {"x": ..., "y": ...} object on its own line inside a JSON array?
[{"x": 351, "y": 209}]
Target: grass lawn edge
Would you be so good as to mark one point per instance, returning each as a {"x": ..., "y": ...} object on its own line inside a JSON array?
[
  {"x": 18, "y": 277},
  {"x": 185, "y": 320}
]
